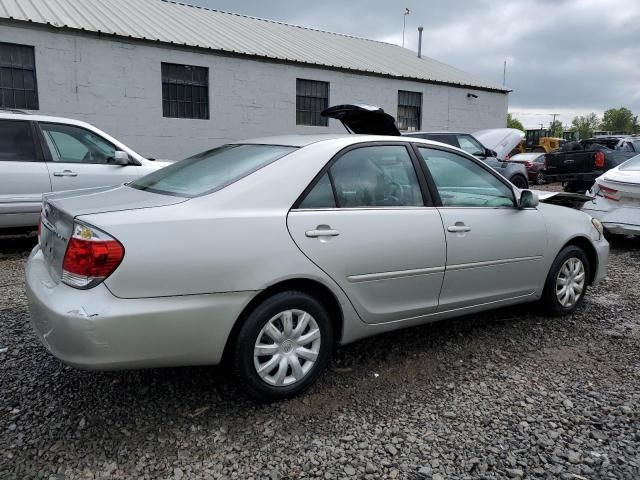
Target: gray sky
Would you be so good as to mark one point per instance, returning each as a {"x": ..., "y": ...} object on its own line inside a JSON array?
[{"x": 568, "y": 57}]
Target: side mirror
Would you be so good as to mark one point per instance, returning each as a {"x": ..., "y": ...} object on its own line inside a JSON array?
[
  {"x": 121, "y": 158},
  {"x": 528, "y": 199}
]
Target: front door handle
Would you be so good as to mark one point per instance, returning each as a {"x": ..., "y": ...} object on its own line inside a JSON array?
[
  {"x": 321, "y": 233},
  {"x": 65, "y": 173},
  {"x": 458, "y": 227}
]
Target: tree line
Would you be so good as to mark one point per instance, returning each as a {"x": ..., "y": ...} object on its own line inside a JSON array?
[{"x": 613, "y": 120}]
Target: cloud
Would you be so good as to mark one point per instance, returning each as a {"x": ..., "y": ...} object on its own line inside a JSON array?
[{"x": 563, "y": 56}]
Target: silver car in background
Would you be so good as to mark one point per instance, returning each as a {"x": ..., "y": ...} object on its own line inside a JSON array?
[
  {"x": 43, "y": 154},
  {"x": 267, "y": 253}
]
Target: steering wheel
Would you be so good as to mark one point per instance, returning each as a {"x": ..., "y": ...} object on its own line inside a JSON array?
[
  {"x": 393, "y": 193},
  {"x": 88, "y": 157}
]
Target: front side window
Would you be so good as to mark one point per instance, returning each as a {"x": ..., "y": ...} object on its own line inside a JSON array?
[
  {"x": 409, "y": 110},
  {"x": 211, "y": 170},
  {"x": 70, "y": 144},
  {"x": 312, "y": 97},
  {"x": 463, "y": 183},
  {"x": 16, "y": 142},
  {"x": 471, "y": 145},
  {"x": 381, "y": 176},
  {"x": 18, "y": 77},
  {"x": 185, "y": 91}
]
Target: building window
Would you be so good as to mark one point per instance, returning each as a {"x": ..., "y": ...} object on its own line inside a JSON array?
[
  {"x": 185, "y": 91},
  {"x": 312, "y": 97},
  {"x": 18, "y": 87},
  {"x": 409, "y": 110}
]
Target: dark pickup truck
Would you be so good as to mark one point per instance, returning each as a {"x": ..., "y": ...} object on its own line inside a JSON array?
[{"x": 578, "y": 164}]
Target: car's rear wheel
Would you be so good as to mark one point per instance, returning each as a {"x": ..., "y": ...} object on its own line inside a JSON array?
[
  {"x": 540, "y": 178},
  {"x": 567, "y": 282},
  {"x": 520, "y": 182},
  {"x": 282, "y": 346}
]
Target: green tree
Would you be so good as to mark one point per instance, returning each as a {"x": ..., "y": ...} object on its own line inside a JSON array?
[
  {"x": 585, "y": 125},
  {"x": 556, "y": 128},
  {"x": 617, "y": 120},
  {"x": 513, "y": 122}
]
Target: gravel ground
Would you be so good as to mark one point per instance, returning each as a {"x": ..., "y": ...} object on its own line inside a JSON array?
[{"x": 508, "y": 394}]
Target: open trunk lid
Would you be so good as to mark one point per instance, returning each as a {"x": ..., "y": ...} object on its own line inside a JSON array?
[
  {"x": 60, "y": 209},
  {"x": 363, "y": 119},
  {"x": 500, "y": 140}
]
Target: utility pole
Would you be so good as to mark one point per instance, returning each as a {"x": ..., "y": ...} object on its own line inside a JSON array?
[{"x": 404, "y": 23}]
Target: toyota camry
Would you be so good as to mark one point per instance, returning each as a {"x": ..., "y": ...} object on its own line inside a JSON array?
[{"x": 265, "y": 254}]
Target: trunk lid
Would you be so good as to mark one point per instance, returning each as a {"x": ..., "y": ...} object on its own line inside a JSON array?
[
  {"x": 500, "y": 140},
  {"x": 363, "y": 119},
  {"x": 60, "y": 209}
]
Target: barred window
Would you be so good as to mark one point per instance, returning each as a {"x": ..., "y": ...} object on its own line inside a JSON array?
[
  {"x": 18, "y": 88},
  {"x": 312, "y": 97},
  {"x": 409, "y": 110},
  {"x": 185, "y": 91}
]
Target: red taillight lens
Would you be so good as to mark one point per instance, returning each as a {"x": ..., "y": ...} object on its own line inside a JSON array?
[
  {"x": 609, "y": 193},
  {"x": 91, "y": 257},
  {"x": 528, "y": 164},
  {"x": 599, "y": 160}
]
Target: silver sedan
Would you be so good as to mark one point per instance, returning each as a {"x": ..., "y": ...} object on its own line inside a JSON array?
[{"x": 267, "y": 253}]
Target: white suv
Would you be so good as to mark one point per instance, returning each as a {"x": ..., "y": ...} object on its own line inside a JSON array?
[{"x": 41, "y": 154}]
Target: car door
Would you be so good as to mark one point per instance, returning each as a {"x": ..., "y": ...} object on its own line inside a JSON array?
[
  {"x": 23, "y": 174},
  {"x": 494, "y": 249},
  {"x": 79, "y": 158},
  {"x": 366, "y": 222}
]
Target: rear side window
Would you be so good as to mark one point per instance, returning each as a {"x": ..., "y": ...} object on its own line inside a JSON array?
[
  {"x": 16, "y": 142},
  {"x": 633, "y": 164},
  {"x": 379, "y": 176},
  {"x": 211, "y": 170}
]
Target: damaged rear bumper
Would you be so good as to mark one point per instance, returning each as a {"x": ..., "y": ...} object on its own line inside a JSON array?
[{"x": 93, "y": 329}]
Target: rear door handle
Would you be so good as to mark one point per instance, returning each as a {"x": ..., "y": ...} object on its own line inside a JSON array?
[
  {"x": 321, "y": 233},
  {"x": 457, "y": 228},
  {"x": 65, "y": 173}
]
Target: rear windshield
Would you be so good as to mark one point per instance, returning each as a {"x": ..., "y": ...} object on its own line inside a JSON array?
[
  {"x": 633, "y": 164},
  {"x": 211, "y": 170}
]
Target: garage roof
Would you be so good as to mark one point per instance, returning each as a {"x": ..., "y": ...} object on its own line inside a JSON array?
[{"x": 185, "y": 25}]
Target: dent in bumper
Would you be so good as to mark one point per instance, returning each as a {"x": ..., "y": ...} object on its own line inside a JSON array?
[{"x": 94, "y": 329}]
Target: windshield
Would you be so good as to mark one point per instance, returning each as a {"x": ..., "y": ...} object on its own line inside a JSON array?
[
  {"x": 211, "y": 170},
  {"x": 471, "y": 145},
  {"x": 633, "y": 164}
]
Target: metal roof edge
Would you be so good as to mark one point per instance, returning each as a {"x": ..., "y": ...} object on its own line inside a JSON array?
[{"x": 253, "y": 56}]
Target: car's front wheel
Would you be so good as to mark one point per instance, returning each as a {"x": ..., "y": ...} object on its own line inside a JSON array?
[
  {"x": 567, "y": 282},
  {"x": 282, "y": 346},
  {"x": 520, "y": 182}
]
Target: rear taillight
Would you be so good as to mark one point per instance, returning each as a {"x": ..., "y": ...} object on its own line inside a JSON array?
[
  {"x": 39, "y": 228},
  {"x": 609, "y": 193},
  {"x": 599, "y": 160},
  {"x": 528, "y": 164},
  {"x": 91, "y": 256}
]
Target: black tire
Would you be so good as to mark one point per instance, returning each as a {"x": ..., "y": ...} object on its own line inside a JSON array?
[
  {"x": 549, "y": 301},
  {"x": 540, "y": 179},
  {"x": 520, "y": 181},
  {"x": 243, "y": 354}
]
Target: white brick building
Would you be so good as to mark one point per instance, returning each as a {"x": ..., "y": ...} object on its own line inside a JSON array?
[{"x": 132, "y": 67}]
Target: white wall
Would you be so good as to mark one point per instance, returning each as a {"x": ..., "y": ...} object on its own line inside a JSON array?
[{"x": 116, "y": 85}]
